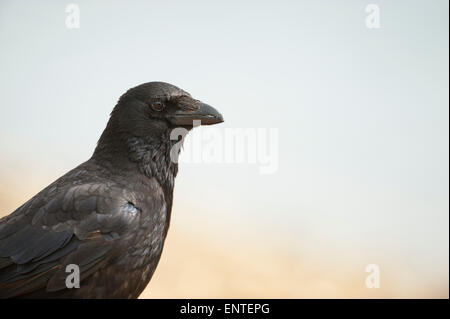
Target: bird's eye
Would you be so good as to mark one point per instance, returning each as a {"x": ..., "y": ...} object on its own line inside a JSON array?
[{"x": 158, "y": 106}]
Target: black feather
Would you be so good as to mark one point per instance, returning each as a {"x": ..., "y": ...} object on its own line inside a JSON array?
[{"x": 110, "y": 215}]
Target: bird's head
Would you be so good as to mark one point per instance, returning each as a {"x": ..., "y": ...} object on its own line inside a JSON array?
[
  {"x": 145, "y": 116},
  {"x": 160, "y": 104}
]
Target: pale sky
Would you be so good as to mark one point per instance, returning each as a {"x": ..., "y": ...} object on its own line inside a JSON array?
[{"x": 362, "y": 113}]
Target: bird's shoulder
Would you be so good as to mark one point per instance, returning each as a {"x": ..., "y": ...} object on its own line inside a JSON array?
[{"x": 83, "y": 200}]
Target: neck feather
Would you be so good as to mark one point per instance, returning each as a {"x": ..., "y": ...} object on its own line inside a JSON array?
[{"x": 151, "y": 155}]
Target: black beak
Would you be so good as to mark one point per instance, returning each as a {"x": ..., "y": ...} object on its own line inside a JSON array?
[{"x": 206, "y": 114}]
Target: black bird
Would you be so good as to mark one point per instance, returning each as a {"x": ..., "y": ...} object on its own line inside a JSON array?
[{"x": 110, "y": 215}]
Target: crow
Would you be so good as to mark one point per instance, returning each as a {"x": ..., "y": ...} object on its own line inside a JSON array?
[{"x": 99, "y": 230}]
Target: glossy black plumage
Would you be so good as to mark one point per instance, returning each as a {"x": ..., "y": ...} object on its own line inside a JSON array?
[{"x": 110, "y": 215}]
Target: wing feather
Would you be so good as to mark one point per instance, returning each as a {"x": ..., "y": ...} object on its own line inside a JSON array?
[{"x": 75, "y": 225}]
